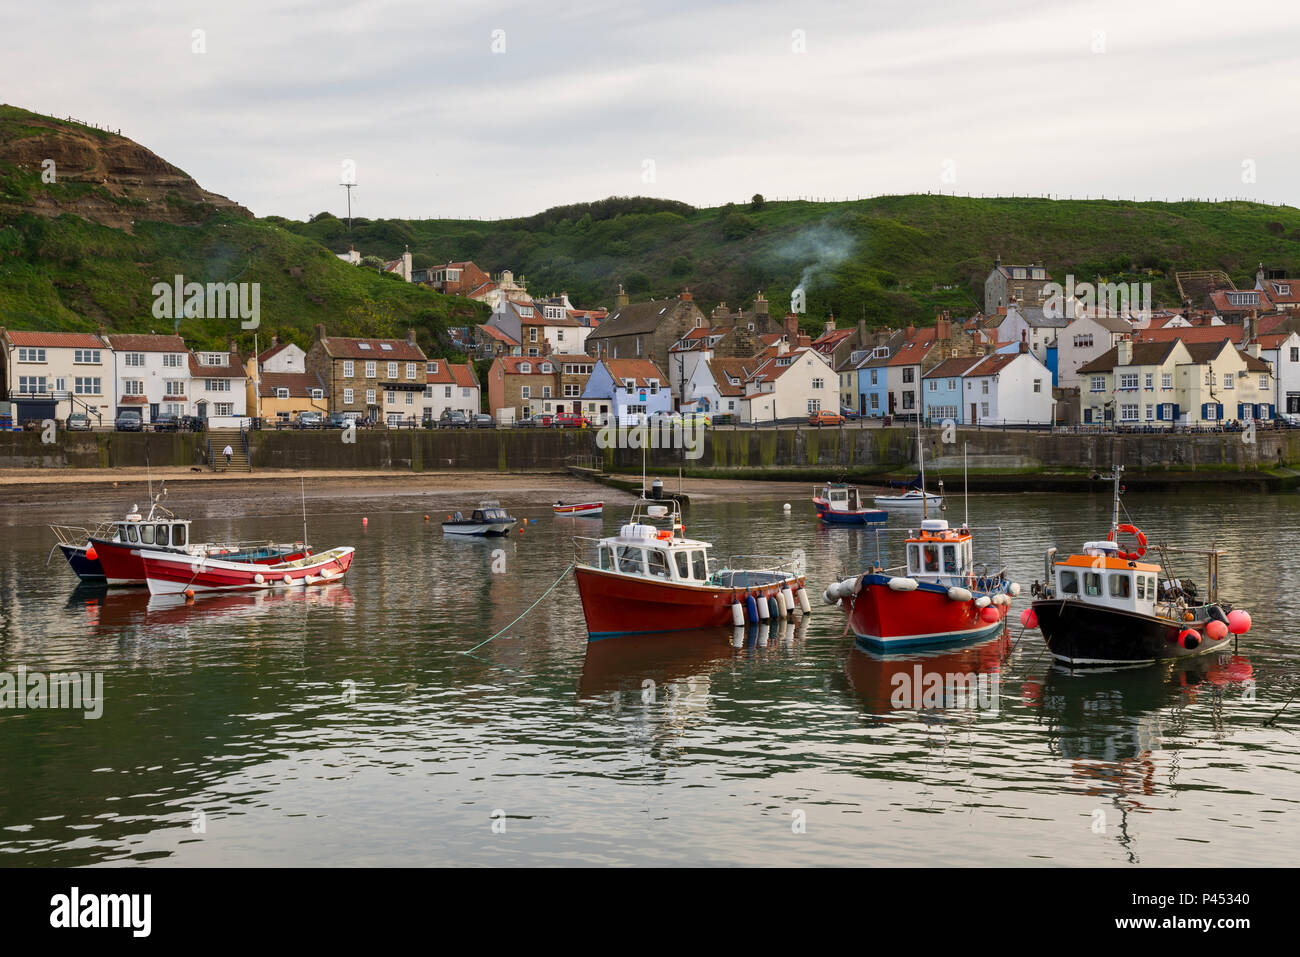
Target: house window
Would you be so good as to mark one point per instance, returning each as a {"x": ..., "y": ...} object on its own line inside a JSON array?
[
  {"x": 133, "y": 359},
  {"x": 1166, "y": 380},
  {"x": 875, "y": 400},
  {"x": 1211, "y": 411},
  {"x": 212, "y": 358},
  {"x": 31, "y": 384},
  {"x": 348, "y": 396},
  {"x": 217, "y": 385},
  {"x": 390, "y": 397},
  {"x": 984, "y": 386},
  {"x": 1149, "y": 380},
  {"x": 370, "y": 397},
  {"x": 173, "y": 387},
  {"x": 984, "y": 409},
  {"x": 546, "y": 392},
  {"x": 814, "y": 405},
  {"x": 1150, "y": 411},
  {"x": 572, "y": 391},
  {"x": 525, "y": 367},
  {"x": 431, "y": 367},
  {"x": 370, "y": 369},
  {"x": 31, "y": 355},
  {"x": 819, "y": 383},
  {"x": 1038, "y": 385},
  {"x": 1227, "y": 380},
  {"x": 410, "y": 370},
  {"x": 172, "y": 360},
  {"x": 532, "y": 333},
  {"x": 873, "y": 377},
  {"x": 1128, "y": 413},
  {"x": 526, "y": 392},
  {"x": 282, "y": 393},
  {"x": 349, "y": 369},
  {"x": 909, "y": 400},
  {"x": 133, "y": 386},
  {"x": 446, "y": 392},
  {"x": 1097, "y": 384},
  {"x": 224, "y": 408},
  {"x": 1295, "y": 354},
  {"x": 86, "y": 356},
  {"x": 909, "y": 374},
  {"x": 318, "y": 393},
  {"x": 1128, "y": 381},
  {"x": 410, "y": 398},
  {"x": 1263, "y": 381},
  {"x": 392, "y": 370}
]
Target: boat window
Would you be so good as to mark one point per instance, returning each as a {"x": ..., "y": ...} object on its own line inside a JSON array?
[
  {"x": 1141, "y": 587},
  {"x": 683, "y": 564},
  {"x": 931, "y": 558},
  {"x": 1121, "y": 586},
  {"x": 1069, "y": 583},
  {"x": 1092, "y": 584},
  {"x": 131, "y": 534},
  {"x": 1151, "y": 587},
  {"x": 914, "y": 558},
  {"x": 606, "y": 559},
  {"x": 146, "y": 534},
  {"x": 658, "y": 563},
  {"x": 630, "y": 560},
  {"x": 950, "y": 559},
  {"x": 162, "y": 534},
  {"x": 699, "y": 566},
  {"x": 178, "y": 534}
]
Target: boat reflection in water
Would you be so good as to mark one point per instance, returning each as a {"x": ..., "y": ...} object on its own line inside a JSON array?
[
  {"x": 115, "y": 613},
  {"x": 681, "y": 656},
  {"x": 1110, "y": 726},
  {"x": 944, "y": 683}
]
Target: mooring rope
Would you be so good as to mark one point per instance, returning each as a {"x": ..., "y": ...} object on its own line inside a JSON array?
[{"x": 525, "y": 612}]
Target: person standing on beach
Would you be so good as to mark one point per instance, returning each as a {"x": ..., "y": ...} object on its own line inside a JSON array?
[{"x": 228, "y": 452}]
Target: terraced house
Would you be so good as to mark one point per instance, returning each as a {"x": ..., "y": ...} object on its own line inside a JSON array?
[
  {"x": 50, "y": 375},
  {"x": 449, "y": 386},
  {"x": 218, "y": 386},
  {"x": 151, "y": 375},
  {"x": 645, "y": 330},
  {"x": 1176, "y": 383},
  {"x": 377, "y": 379}
]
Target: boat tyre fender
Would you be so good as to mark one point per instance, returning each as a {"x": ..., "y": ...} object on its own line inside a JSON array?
[{"x": 1215, "y": 612}]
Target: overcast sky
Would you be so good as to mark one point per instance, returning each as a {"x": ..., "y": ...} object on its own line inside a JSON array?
[{"x": 702, "y": 101}]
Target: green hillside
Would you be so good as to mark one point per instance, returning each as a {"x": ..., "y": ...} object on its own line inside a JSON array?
[
  {"x": 85, "y": 251},
  {"x": 885, "y": 259}
]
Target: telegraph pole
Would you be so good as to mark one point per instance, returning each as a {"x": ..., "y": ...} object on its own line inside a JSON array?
[{"x": 348, "y": 187}]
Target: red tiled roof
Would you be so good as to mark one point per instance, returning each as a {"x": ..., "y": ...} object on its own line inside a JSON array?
[
  {"x": 1219, "y": 298},
  {"x": 640, "y": 370},
  {"x": 992, "y": 365},
  {"x": 952, "y": 368},
  {"x": 497, "y": 334},
  {"x": 56, "y": 340},
  {"x": 1274, "y": 289},
  {"x": 1190, "y": 334},
  {"x": 911, "y": 353},
  {"x": 272, "y": 352},
  {"x": 132, "y": 400},
  {"x": 451, "y": 373},
  {"x": 128, "y": 343}
]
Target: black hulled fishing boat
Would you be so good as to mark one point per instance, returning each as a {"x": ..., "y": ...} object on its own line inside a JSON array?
[{"x": 1106, "y": 606}]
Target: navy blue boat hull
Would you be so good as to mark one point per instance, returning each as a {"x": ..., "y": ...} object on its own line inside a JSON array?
[{"x": 87, "y": 570}]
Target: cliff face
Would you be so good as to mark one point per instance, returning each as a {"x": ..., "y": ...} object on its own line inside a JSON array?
[{"x": 99, "y": 176}]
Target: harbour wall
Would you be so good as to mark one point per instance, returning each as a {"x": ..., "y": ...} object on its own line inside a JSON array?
[{"x": 815, "y": 454}]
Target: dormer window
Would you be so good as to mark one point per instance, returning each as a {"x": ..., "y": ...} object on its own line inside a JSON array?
[
  {"x": 364, "y": 346},
  {"x": 546, "y": 367},
  {"x": 525, "y": 367},
  {"x": 387, "y": 347}
]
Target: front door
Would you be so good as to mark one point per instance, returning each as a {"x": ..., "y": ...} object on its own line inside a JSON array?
[
  {"x": 202, "y": 409},
  {"x": 153, "y": 411},
  {"x": 891, "y": 403},
  {"x": 974, "y": 416}
]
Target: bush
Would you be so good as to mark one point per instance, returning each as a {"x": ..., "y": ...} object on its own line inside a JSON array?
[{"x": 737, "y": 226}]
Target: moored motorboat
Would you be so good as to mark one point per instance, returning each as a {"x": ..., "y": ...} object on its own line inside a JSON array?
[
  {"x": 171, "y": 574},
  {"x": 650, "y": 579},
  {"x": 840, "y": 504},
  {"x": 583, "y": 510},
  {"x": 914, "y": 498},
  {"x": 1106, "y": 606},
  {"x": 110, "y": 553},
  {"x": 488, "y": 519},
  {"x": 936, "y": 598}
]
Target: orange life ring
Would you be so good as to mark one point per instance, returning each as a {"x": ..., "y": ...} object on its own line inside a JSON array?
[
  {"x": 663, "y": 534},
  {"x": 1141, "y": 540}
]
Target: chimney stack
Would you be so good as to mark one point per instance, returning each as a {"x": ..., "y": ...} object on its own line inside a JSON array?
[
  {"x": 320, "y": 331},
  {"x": 760, "y": 305},
  {"x": 410, "y": 336},
  {"x": 685, "y": 295},
  {"x": 1125, "y": 351},
  {"x": 621, "y": 298},
  {"x": 791, "y": 327}
]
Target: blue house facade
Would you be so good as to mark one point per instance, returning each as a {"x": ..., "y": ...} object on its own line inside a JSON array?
[
  {"x": 633, "y": 389},
  {"x": 941, "y": 391}
]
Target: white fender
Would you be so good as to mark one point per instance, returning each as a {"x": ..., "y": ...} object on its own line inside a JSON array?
[
  {"x": 1014, "y": 589},
  {"x": 957, "y": 593},
  {"x": 983, "y": 601},
  {"x": 737, "y": 614},
  {"x": 763, "y": 613},
  {"x": 804, "y": 604},
  {"x": 903, "y": 584},
  {"x": 826, "y": 597}
]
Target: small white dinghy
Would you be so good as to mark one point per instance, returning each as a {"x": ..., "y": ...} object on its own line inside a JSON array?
[{"x": 913, "y": 499}]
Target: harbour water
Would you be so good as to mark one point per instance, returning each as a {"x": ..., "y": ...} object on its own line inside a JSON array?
[{"x": 347, "y": 725}]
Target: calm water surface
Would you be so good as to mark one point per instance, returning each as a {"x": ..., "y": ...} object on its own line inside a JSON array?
[{"x": 347, "y": 725}]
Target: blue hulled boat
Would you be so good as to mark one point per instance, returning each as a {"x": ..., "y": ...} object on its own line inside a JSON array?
[{"x": 840, "y": 504}]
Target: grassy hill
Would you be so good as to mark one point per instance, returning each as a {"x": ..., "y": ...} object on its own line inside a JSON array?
[
  {"x": 86, "y": 250},
  {"x": 885, "y": 259}
]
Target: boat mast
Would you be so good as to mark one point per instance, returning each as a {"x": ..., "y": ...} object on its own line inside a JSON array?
[
  {"x": 965, "y": 478},
  {"x": 920, "y": 455},
  {"x": 1114, "y": 524},
  {"x": 303, "y": 482}
]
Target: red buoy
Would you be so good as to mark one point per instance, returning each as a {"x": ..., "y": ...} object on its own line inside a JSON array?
[
  {"x": 1216, "y": 630},
  {"x": 1028, "y": 618},
  {"x": 1190, "y": 639},
  {"x": 91, "y": 554},
  {"x": 1239, "y": 622}
]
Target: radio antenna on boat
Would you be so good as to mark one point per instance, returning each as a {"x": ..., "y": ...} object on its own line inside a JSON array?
[
  {"x": 920, "y": 456},
  {"x": 303, "y": 482}
]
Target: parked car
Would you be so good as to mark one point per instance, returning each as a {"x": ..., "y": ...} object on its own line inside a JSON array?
[
  {"x": 336, "y": 420},
  {"x": 825, "y": 417},
  {"x": 848, "y": 413},
  {"x": 541, "y": 420},
  {"x": 692, "y": 420},
  {"x": 128, "y": 422},
  {"x": 1291, "y": 419},
  {"x": 311, "y": 420},
  {"x": 570, "y": 420},
  {"x": 166, "y": 422},
  {"x": 77, "y": 422},
  {"x": 483, "y": 421},
  {"x": 191, "y": 423},
  {"x": 453, "y": 419}
]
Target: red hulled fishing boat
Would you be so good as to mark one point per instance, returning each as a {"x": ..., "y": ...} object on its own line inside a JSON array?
[
  {"x": 169, "y": 574},
  {"x": 653, "y": 579}
]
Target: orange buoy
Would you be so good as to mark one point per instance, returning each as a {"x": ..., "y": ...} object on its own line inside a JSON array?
[
  {"x": 189, "y": 593},
  {"x": 91, "y": 554},
  {"x": 365, "y": 521},
  {"x": 426, "y": 518}
]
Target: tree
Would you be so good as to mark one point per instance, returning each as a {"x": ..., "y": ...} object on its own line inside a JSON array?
[{"x": 757, "y": 202}]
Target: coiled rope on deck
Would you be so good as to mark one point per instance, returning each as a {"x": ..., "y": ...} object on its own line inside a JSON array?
[{"x": 525, "y": 612}]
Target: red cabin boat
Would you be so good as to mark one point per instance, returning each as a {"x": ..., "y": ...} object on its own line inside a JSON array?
[
  {"x": 935, "y": 599},
  {"x": 648, "y": 579}
]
